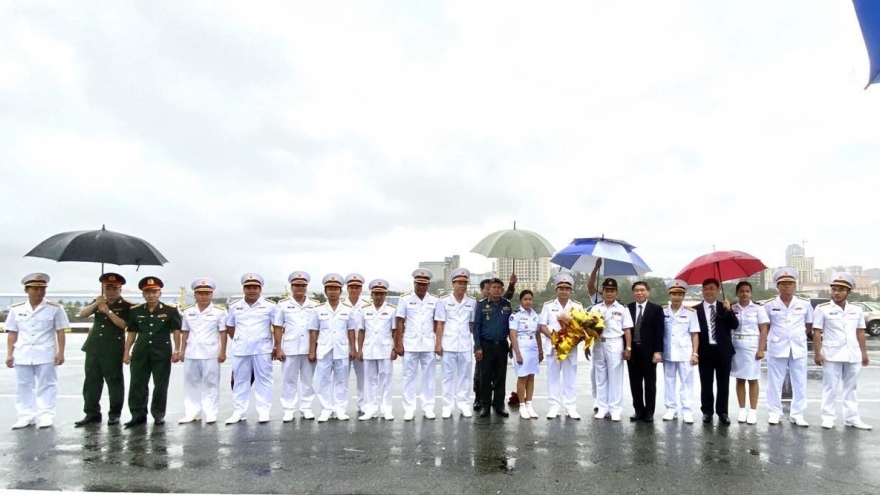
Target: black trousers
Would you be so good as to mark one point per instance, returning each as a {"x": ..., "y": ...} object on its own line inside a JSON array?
[
  {"x": 477, "y": 379},
  {"x": 493, "y": 373},
  {"x": 714, "y": 369},
  {"x": 98, "y": 369},
  {"x": 143, "y": 366},
  {"x": 642, "y": 380}
]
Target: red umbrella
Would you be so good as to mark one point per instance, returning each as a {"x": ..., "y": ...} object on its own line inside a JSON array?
[{"x": 723, "y": 265}]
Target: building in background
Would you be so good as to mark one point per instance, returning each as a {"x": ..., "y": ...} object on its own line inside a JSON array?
[
  {"x": 530, "y": 274},
  {"x": 791, "y": 251},
  {"x": 804, "y": 266},
  {"x": 442, "y": 269}
]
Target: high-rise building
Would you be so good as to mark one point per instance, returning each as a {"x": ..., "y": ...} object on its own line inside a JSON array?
[
  {"x": 804, "y": 266},
  {"x": 443, "y": 269},
  {"x": 530, "y": 274},
  {"x": 791, "y": 251},
  {"x": 759, "y": 279}
]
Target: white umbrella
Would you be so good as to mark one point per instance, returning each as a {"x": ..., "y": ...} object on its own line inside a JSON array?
[{"x": 515, "y": 244}]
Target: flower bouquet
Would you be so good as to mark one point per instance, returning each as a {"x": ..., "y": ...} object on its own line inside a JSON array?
[{"x": 577, "y": 326}]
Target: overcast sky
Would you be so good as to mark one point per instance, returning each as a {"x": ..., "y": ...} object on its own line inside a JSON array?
[{"x": 360, "y": 136}]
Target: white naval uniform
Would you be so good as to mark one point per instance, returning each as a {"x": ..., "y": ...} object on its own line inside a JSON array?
[
  {"x": 746, "y": 339},
  {"x": 456, "y": 363},
  {"x": 418, "y": 349},
  {"x": 357, "y": 365},
  {"x": 331, "y": 372},
  {"x": 34, "y": 357},
  {"x": 378, "y": 327},
  {"x": 297, "y": 372},
  {"x": 843, "y": 357},
  {"x": 608, "y": 356},
  {"x": 594, "y": 299},
  {"x": 561, "y": 376},
  {"x": 525, "y": 323},
  {"x": 201, "y": 369},
  {"x": 677, "y": 350},
  {"x": 787, "y": 351},
  {"x": 252, "y": 349}
]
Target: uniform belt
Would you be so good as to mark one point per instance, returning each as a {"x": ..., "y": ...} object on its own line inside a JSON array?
[
  {"x": 741, "y": 336},
  {"x": 493, "y": 341},
  {"x": 602, "y": 339},
  {"x": 525, "y": 337}
]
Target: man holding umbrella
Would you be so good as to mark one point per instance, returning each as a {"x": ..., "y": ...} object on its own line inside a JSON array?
[
  {"x": 717, "y": 322},
  {"x": 104, "y": 348}
]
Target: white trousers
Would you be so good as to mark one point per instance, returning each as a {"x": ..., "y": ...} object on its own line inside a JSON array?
[
  {"x": 260, "y": 365},
  {"x": 201, "y": 387},
  {"x": 377, "y": 385},
  {"x": 412, "y": 361},
  {"x": 297, "y": 376},
  {"x": 678, "y": 399},
  {"x": 833, "y": 375},
  {"x": 456, "y": 372},
  {"x": 37, "y": 391},
  {"x": 797, "y": 368},
  {"x": 562, "y": 382},
  {"x": 359, "y": 377},
  {"x": 331, "y": 383},
  {"x": 609, "y": 374}
]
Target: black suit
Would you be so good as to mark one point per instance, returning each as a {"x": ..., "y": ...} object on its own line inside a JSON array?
[
  {"x": 642, "y": 370},
  {"x": 715, "y": 360}
]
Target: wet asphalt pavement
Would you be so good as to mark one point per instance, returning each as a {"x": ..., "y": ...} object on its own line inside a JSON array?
[{"x": 459, "y": 455}]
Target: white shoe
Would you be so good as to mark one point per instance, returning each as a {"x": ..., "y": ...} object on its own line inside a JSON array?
[
  {"x": 573, "y": 414},
  {"x": 615, "y": 416},
  {"x": 466, "y": 411},
  {"x": 288, "y": 416},
  {"x": 342, "y": 416},
  {"x": 210, "y": 419},
  {"x": 409, "y": 415},
  {"x": 553, "y": 412},
  {"x": 44, "y": 422},
  {"x": 365, "y": 417},
  {"x": 446, "y": 413},
  {"x": 186, "y": 419},
  {"x": 752, "y": 417},
  {"x": 308, "y": 414},
  {"x": 827, "y": 424},
  {"x": 743, "y": 416},
  {"x": 669, "y": 415},
  {"x": 235, "y": 418},
  {"x": 773, "y": 419},
  {"x": 524, "y": 412},
  {"x": 429, "y": 414},
  {"x": 601, "y": 414},
  {"x": 389, "y": 416},
  {"x": 21, "y": 423},
  {"x": 324, "y": 417},
  {"x": 689, "y": 418},
  {"x": 858, "y": 425},
  {"x": 264, "y": 418},
  {"x": 531, "y": 409},
  {"x": 798, "y": 420}
]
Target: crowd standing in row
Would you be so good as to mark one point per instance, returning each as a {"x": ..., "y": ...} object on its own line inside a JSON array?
[{"x": 319, "y": 343}]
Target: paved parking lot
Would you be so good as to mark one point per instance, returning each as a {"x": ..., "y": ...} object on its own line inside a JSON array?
[{"x": 440, "y": 456}]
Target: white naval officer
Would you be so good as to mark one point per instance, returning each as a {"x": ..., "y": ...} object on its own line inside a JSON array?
[
  {"x": 331, "y": 333},
  {"x": 249, "y": 325},
  {"x": 791, "y": 318},
  {"x": 839, "y": 347},
  {"x": 202, "y": 349},
  {"x": 749, "y": 342},
  {"x": 561, "y": 376},
  {"x": 680, "y": 344},
  {"x": 292, "y": 319},
  {"x": 354, "y": 284},
  {"x": 34, "y": 347},
  {"x": 454, "y": 342},
  {"x": 415, "y": 341},
  {"x": 376, "y": 351},
  {"x": 610, "y": 351}
]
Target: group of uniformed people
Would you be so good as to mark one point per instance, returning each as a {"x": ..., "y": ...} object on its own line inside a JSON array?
[{"x": 318, "y": 343}]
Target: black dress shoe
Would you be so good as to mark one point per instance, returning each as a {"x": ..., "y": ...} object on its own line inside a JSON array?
[
  {"x": 477, "y": 405},
  {"x": 135, "y": 422},
  {"x": 87, "y": 421},
  {"x": 113, "y": 420},
  {"x": 595, "y": 409},
  {"x": 484, "y": 412},
  {"x": 159, "y": 421},
  {"x": 636, "y": 417},
  {"x": 648, "y": 419},
  {"x": 724, "y": 418},
  {"x": 501, "y": 412},
  {"x": 707, "y": 418}
]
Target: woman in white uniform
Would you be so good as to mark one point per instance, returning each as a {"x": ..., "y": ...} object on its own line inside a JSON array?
[
  {"x": 527, "y": 351},
  {"x": 749, "y": 342}
]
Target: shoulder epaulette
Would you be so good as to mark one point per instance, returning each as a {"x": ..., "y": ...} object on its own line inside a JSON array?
[
  {"x": 690, "y": 308},
  {"x": 576, "y": 301},
  {"x": 129, "y": 302},
  {"x": 135, "y": 306},
  {"x": 664, "y": 306},
  {"x": 220, "y": 306},
  {"x": 391, "y": 305},
  {"x": 285, "y": 299},
  {"x": 321, "y": 304},
  {"x": 405, "y": 294},
  {"x": 170, "y": 305},
  {"x": 313, "y": 300},
  {"x": 550, "y": 301},
  {"x": 187, "y": 307},
  {"x": 826, "y": 303},
  {"x": 483, "y": 299},
  {"x": 802, "y": 298},
  {"x": 270, "y": 302},
  {"x": 365, "y": 304},
  {"x": 765, "y": 301},
  {"x": 50, "y": 303},
  {"x": 18, "y": 304},
  {"x": 346, "y": 303},
  {"x": 444, "y": 296}
]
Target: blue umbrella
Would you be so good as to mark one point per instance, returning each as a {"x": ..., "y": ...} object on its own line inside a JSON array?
[
  {"x": 618, "y": 258},
  {"x": 868, "y": 12}
]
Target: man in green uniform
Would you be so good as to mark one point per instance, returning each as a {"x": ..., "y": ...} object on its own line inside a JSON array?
[
  {"x": 155, "y": 324},
  {"x": 104, "y": 347}
]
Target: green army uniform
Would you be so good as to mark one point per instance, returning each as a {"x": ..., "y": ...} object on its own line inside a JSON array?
[
  {"x": 104, "y": 348},
  {"x": 151, "y": 356}
]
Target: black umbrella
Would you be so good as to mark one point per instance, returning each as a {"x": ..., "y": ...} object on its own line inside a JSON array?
[{"x": 98, "y": 246}]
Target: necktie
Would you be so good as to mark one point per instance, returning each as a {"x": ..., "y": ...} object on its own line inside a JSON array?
[
  {"x": 712, "y": 323},
  {"x": 638, "y": 333}
]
